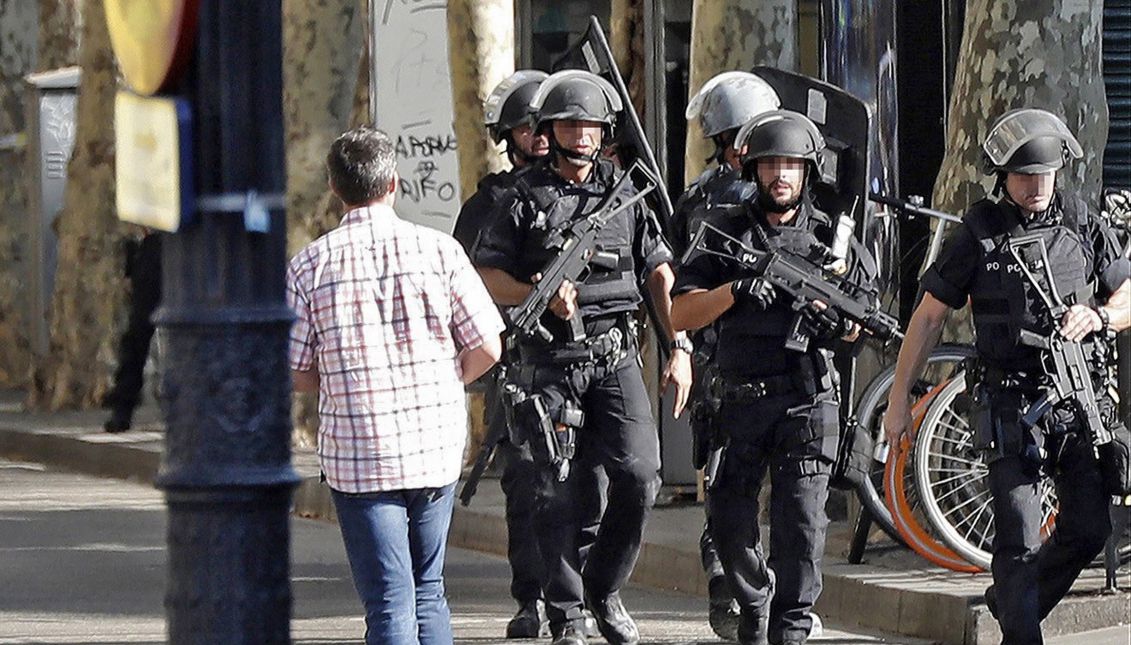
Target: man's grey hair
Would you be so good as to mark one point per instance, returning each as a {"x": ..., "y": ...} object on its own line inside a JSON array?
[{"x": 362, "y": 164}]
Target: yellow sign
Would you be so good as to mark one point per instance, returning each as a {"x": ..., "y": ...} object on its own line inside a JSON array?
[
  {"x": 153, "y": 177},
  {"x": 152, "y": 39}
]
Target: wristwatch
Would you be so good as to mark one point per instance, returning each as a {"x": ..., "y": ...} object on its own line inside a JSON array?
[
  {"x": 1105, "y": 319},
  {"x": 682, "y": 344}
]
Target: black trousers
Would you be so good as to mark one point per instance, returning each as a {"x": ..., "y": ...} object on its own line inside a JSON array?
[
  {"x": 517, "y": 482},
  {"x": 1030, "y": 578},
  {"x": 144, "y": 270},
  {"x": 793, "y": 438},
  {"x": 619, "y": 437}
]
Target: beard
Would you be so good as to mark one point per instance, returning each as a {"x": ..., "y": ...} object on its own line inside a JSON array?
[{"x": 768, "y": 203}]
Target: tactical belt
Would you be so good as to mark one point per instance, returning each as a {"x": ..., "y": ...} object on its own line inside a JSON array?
[
  {"x": 732, "y": 390},
  {"x": 995, "y": 378},
  {"x": 608, "y": 346}
]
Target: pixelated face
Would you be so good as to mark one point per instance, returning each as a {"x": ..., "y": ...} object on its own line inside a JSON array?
[
  {"x": 1032, "y": 193},
  {"x": 530, "y": 143},
  {"x": 582, "y": 137},
  {"x": 781, "y": 178}
]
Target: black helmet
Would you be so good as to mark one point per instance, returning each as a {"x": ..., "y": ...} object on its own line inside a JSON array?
[
  {"x": 729, "y": 100},
  {"x": 780, "y": 133},
  {"x": 1028, "y": 142},
  {"x": 575, "y": 94},
  {"x": 508, "y": 105}
]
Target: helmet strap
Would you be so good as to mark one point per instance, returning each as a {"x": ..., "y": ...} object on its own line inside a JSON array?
[{"x": 558, "y": 150}]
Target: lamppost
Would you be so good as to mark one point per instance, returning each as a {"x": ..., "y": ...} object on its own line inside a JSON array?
[{"x": 226, "y": 468}]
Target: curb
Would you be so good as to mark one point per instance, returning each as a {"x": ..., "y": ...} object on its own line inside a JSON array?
[{"x": 921, "y": 603}]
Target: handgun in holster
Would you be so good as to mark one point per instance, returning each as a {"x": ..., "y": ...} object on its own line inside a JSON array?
[
  {"x": 713, "y": 470},
  {"x": 550, "y": 443},
  {"x": 703, "y": 428}
]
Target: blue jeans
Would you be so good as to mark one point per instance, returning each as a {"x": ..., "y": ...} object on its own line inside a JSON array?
[{"x": 395, "y": 541}]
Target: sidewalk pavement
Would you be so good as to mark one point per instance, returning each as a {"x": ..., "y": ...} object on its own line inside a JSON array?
[{"x": 894, "y": 591}]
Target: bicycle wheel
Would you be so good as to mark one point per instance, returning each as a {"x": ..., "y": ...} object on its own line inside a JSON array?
[
  {"x": 902, "y": 497},
  {"x": 952, "y": 480},
  {"x": 941, "y": 363}
]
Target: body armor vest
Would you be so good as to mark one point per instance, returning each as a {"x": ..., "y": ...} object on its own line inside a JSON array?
[
  {"x": 719, "y": 186},
  {"x": 474, "y": 216},
  {"x": 1002, "y": 301},
  {"x": 556, "y": 204},
  {"x": 751, "y": 342}
]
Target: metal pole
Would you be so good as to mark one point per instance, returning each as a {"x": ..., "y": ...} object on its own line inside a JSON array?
[
  {"x": 226, "y": 468},
  {"x": 371, "y": 41}
]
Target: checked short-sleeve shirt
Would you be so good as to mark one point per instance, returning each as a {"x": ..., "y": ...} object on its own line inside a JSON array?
[{"x": 384, "y": 307}]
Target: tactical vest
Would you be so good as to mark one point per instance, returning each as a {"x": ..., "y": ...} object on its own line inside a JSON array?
[
  {"x": 717, "y": 187},
  {"x": 752, "y": 341},
  {"x": 474, "y": 216},
  {"x": 555, "y": 205},
  {"x": 1002, "y": 301}
]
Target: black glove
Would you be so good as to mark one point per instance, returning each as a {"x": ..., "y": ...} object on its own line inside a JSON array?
[
  {"x": 824, "y": 324},
  {"x": 754, "y": 291}
]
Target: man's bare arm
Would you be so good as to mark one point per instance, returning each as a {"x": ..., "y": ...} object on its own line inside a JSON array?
[
  {"x": 700, "y": 307},
  {"x": 305, "y": 381},
  {"x": 502, "y": 286},
  {"x": 923, "y": 334},
  {"x": 475, "y": 362}
]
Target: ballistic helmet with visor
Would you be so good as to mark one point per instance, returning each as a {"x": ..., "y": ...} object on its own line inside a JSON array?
[
  {"x": 729, "y": 100},
  {"x": 780, "y": 133},
  {"x": 574, "y": 94},
  {"x": 508, "y": 105},
  {"x": 1029, "y": 141}
]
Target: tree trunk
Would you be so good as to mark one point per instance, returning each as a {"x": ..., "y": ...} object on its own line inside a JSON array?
[
  {"x": 729, "y": 35},
  {"x": 60, "y": 32},
  {"x": 17, "y": 57},
  {"x": 321, "y": 41},
  {"x": 325, "y": 89},
  {"x": 481, "y": 54},
  {"x": 626, "y": 39},
  {"x": 325, "y": 215},
  {"x": 89, "y": 285},
  {"x": 1023, "y": 53}
]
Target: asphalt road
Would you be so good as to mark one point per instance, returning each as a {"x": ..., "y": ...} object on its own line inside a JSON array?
[{"x": 82, "y": 560}]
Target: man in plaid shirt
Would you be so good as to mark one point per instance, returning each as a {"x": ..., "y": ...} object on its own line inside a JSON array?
[{"x": 392, "y": 321}]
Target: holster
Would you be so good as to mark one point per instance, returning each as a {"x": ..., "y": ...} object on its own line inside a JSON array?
[
  {"x": 1115, "y": 457},
  {"x": 704, "y": 430},
  {"x": 1001, "y": 431},
  {"x": 853, "y": 462},
  {"x": 554, "y": 444}
]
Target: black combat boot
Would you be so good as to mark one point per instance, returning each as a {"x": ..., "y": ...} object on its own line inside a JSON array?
[
  {"x": 119, "y": 421},
  {"x": 530, "y": 620},
  {"x": 570, "y": 634},
  {"x": 722, "y": 609},
  {"x": 991, "y": 600},
  {"x": 613, "y": 620},
  {"x": 754, "y": 625}
]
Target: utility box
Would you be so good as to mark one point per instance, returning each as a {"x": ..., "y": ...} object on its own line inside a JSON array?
[{"x": 51, "y": 119}]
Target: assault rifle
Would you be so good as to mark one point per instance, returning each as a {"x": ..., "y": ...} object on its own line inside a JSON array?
[
  {"x": 803, "y": 279},
  {"x": 577, "y": 248},
  {"x": 913, "y": 207},
  {"x": 1066, "y": 362}
]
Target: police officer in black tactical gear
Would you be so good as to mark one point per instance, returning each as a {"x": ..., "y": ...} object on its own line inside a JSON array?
[
  {"x": 143, "y": 268},
  {"x": 507, "y": 118},
  {"x": 590, "y": 390},
  {"x": 1025, "y": 149},
  {"x": 724, "y": 104},
  {"x": 778, "y": 406}
]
